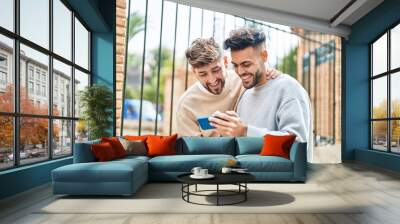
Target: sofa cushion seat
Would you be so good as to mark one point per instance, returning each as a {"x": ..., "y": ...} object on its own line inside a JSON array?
[
  {"x": 184, "y": 163},
  {"x": 257, "y": 163},
  {"x": 131, "y": 158},
  {"x": 113, "y": 171}
]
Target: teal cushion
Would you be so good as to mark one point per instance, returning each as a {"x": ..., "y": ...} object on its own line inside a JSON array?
[
  {"x": 207, "y": 145},
  {"x": 185, "y": 163},
  {"x": 83, "y": 152},
  {"x": 257, "y": 163},
  {"x": 111, "y": 171},
  {"x": 249, "y": 145}
]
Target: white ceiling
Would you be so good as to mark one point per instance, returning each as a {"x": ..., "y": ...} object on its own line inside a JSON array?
[
  {"x": 314, "y": 15},
  {"x": 320, "y": 9}
]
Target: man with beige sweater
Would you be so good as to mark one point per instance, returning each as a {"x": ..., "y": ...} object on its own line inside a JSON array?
[{"x": 216, "y": 89}]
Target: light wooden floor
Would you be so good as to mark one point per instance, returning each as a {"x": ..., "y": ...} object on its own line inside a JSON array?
[{"x": 378, "y": 188}]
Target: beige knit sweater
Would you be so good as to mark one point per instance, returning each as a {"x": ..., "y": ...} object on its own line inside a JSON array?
[{"x": 197, "y": 101}]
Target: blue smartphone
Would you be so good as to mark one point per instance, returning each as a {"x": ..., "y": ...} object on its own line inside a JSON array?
[{"x": 204, "y": 123}]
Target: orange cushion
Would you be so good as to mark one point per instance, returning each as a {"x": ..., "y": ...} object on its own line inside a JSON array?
[
  {"x": 116, "y": 145},
  {"x": 103, "y": 151},
  {"x": 277, "y": 145},
  {"x": 161, "y": 145}
]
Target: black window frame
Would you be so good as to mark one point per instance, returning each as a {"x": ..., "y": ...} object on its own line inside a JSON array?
[
  {"x": 388, "y": 74},
  {"x": 16, "y": 115}
]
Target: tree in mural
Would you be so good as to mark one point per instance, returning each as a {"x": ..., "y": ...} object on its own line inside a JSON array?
[
  {"x": 288, "y": 64},
  {"x": 33, "y": 131},
  {"x": 150, "y": 89},
  {"x": 136, "y": 24}
]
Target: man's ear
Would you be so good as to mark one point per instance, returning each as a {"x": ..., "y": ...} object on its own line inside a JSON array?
[
  {"x": 226, "y": 61},
  {"x": 264, "y": 55}
]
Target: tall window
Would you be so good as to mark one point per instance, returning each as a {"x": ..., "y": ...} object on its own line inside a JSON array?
[
  {"x": 37, "y": 118},
  {"x": 385, "y": 94}
]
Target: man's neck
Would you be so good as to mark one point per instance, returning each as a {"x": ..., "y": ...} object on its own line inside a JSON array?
[{"x": 263, "y": 80}]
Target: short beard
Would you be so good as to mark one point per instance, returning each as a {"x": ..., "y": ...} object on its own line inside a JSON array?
[
  {"x": 257, "y": 78},
  {"x": 222, "y": 88}
]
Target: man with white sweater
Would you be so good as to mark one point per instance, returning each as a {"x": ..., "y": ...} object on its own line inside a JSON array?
[
  {"x": 216, "y": 89},
  {"x": 279, "y": 107}
]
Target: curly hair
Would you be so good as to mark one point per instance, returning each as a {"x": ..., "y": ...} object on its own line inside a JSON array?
[{"x": 203, "y": 51}]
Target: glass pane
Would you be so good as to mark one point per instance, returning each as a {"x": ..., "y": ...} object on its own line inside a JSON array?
[
  {"x": 62, "y": 138},
  {"x": 34, "y": 80},
  {"x": 395, "y": 138},
  {"x": 379, "y": 98},
  {"x": 395, "y": 47},
  {"x": 208, "y": 23},
  {"x": 229, "y": 25},
  {"x": 219, "y": 28},
  {"x": 6, "y": 142},
  {"x": 7, "y": 14},
  {"x": 6, "y": 74},
  {"x": 81, "y": 81},
  {"x": 134, "y": 62},
  {"x": 62, "y": 89},
  {"x": 35, "y": 21},
  {"x": 379, "y": 55},
  {"x": 379, "y": 135},
  {"x": 151, "y": 62},
  {"x": 180, "y": 66},
  {"x": 395, "y": 94},
  {"x": 81, "y": 45},
  {"x": 33, "y": 139},
  {"x": 62, "y": 29},
  {"x": 239, "y": 22},
  {"x": 166, "y": 69},
  {"x": 81, "y": 131}
]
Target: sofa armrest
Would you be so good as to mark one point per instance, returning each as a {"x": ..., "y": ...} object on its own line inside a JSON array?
[
  {"x": 298, "y": 155},
  {"x": 83, "y": 152}
]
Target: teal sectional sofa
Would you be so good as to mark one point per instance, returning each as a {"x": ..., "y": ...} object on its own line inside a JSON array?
[{"x": 125, "y": 176}]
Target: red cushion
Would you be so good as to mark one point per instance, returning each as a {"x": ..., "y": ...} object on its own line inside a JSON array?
[
  {"x": 116, "y": 145},
  {"x": 103, "y": 152},
  {"x": 277, "y": 145},
  {"x": 161, "y": 145}
]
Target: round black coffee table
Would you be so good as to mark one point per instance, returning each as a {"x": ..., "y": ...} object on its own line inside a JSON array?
[{"x": 238, "y": 179}]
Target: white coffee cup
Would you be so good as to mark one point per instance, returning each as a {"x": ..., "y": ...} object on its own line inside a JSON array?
[
  {"x": 203, "y": 172},
  {"x": 226, "y": 170},
  {"x": 196, "y": 171}
]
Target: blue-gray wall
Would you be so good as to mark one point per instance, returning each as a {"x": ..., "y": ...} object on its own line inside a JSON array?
[
  {"x": 356, "y": 85},
  {"x": 24, "y": 178},
  {"x": 103, "y": 65},
  {"x": 99, "y": 16}
]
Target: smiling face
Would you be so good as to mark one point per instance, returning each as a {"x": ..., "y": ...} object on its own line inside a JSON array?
[
  {"x": 249, "y": 65},
  {"x": 212, "y": 76}
]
